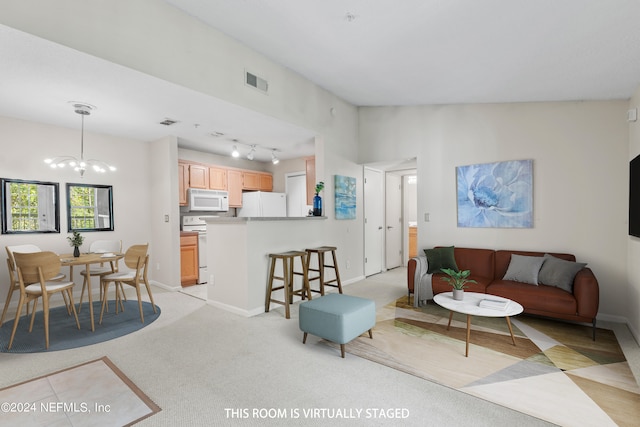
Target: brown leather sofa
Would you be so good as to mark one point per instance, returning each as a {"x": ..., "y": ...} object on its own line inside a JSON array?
[{"x": 488, "y": 267}]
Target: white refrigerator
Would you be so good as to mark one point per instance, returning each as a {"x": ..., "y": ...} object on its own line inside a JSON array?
[{"x": 263, "y": 204}]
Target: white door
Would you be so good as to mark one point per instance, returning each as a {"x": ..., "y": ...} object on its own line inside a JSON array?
[
  {"x": 296, "y": 188},
  {"x": 373, "y": 221},
  {"x": 393, "y": 220}
]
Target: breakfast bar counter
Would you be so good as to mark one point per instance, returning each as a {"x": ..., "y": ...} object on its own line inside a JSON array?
[{"x": 238, "y": 256}]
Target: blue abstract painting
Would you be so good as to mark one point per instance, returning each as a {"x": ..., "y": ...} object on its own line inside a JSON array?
[
  {"x": 345, "y": 193},
  {"x": 496, "y": 195}
]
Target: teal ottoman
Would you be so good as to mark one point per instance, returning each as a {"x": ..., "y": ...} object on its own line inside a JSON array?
[{"x": 338, "y": 318}]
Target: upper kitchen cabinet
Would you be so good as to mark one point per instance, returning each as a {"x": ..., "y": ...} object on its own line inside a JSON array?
[
  {"x": 212, "y": 177},
  {"x": 259, "y": 181},
  {"x": 217, "y": 178},
  {"x": 198, "y": 176},
  {"x": 234, "y": 183},
  {"x": 250, "y": 180},
  {"x": 266, "y": 182}
]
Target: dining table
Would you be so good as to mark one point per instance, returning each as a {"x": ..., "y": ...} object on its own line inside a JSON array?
[{"x": 87, "y": 259}]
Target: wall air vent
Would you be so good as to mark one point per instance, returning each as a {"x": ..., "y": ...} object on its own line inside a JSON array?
[
  {"x": 256, "y": 82},
  {"x": 168, "y": 122}
]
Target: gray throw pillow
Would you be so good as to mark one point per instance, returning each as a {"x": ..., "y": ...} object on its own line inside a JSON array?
[
  {"x": 559, "y": 272},
  {"x": 524, "y": 269}
]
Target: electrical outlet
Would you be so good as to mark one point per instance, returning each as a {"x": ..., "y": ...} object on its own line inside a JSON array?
[
  {"x": 426, "y": 217},
  {"x": 166, "y": 218},
  {"x": 348, "y": 264},
  {"x": 211, "y": 279},
  {"x": 158, "y": 266}
]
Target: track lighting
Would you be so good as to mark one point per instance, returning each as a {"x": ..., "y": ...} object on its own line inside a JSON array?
[
  {"x": 274, "y": 159},
  {"x": 251, "y": 153},
  {"x": 235, "y": 152}
]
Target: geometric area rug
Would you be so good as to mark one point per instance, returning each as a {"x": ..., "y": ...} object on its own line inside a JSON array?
[
  {"x": 555, "y": 372},
  {"x": 94, "y": 393}
]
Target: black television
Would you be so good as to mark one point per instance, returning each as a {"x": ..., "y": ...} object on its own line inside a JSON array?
[{"x": 634, "y": 197}]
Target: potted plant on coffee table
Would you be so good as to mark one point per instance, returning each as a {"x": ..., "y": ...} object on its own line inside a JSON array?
[{"x": 458, "y": 281}]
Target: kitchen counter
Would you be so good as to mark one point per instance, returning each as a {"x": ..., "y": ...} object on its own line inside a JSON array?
[{"x": 238, "y": 256}]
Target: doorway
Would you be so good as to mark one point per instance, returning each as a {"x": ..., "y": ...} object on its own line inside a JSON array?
[{"x": 390, "y": 210}]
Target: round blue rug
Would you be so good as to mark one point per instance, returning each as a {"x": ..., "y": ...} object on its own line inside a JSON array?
[{"x": 64, "y": 333}]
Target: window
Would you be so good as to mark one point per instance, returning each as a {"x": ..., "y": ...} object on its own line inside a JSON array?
[
  {"x": 30, "y": 206},
  {"x": 89, "y": 207}
]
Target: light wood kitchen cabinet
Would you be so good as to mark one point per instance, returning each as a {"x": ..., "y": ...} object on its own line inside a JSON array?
[
  {"x": 250, "y": 180},
  {"x": 413, "y": 242},
  {"x": 234, "y": 187},
  {"x": 189, "y": 267},
  {"x": 266, "y": 182},
  {"x": 198, "y": 176},
  {"x": 217, "y": 178},
  {"x": 310, "y": 170},
  {"x": 183, "y": 182}
]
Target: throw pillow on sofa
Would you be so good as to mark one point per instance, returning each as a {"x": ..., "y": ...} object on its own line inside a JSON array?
[
  {"x": 439, "y": 258},
  {"x": 524, "y": 269},
  {"x": 559, "y": 272}
]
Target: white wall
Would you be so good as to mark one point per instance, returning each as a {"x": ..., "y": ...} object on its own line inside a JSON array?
[
  {"x": 25, "y": 145},
  {"x": 155, "y": 38},
  {"x": 632, "y": 296},
  {"x": 580, "y": 155}
]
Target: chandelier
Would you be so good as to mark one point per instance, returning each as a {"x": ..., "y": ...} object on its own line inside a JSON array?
[{"x": 80, "y": 165}]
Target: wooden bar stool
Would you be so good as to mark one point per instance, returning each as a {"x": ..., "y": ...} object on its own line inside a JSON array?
[
  {"x": 320, "y": 252},
  {"x": 288, "y": 274}
]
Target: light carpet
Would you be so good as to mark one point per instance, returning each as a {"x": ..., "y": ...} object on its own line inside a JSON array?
[
  {"x": 556, "y": 372},
  {"x": 95, "y": 393}
]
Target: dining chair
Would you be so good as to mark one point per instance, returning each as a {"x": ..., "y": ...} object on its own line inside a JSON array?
[
  {"x": 101, "y": 246},
  {"x": 13, "y": 275},
  {"x": 35, "y": 273},
  {"x": 137, "y": 260}
]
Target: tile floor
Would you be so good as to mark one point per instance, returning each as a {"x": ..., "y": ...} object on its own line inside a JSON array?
[{"x": 92, "y": 394}]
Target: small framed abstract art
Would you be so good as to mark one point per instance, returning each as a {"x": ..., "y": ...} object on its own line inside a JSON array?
[
  {"x": 345, "y": 195},
  {"x": 495, "y": 195}
]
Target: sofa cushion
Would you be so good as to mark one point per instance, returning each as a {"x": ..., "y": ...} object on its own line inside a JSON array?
[
  {"x": 540, "y": 298},
  {"x": 439, "y": 258},
  {"x": 479, "y": 261},
  {"x": 559, "y": 272},
  {"x": 524, "y": 269}
]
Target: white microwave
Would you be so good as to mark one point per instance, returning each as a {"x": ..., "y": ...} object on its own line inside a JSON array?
[{"x": 208, "y": 200}]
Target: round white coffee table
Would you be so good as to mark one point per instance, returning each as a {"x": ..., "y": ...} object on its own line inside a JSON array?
[{"x": 470, "y": 306}]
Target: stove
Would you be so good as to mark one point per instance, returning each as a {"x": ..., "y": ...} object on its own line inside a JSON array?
[{"x": 198, "y": 223}]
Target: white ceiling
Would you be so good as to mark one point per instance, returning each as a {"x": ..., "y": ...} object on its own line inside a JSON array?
[
  {"x": 369, "y": 52},
  {"x": 408, "y": 52}
]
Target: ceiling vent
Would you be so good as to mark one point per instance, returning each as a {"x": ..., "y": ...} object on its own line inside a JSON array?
[
  {"x": 168, "y": 122},
  {"x": 256, "y": 82}
]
